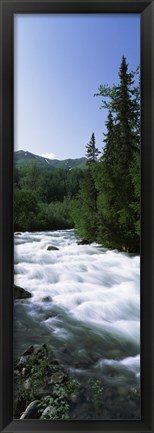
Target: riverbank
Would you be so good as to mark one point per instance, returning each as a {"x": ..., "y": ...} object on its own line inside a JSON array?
[{"x": 44, "y": 389}]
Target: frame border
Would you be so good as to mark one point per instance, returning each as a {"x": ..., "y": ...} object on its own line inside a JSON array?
[{"x": 7, "y": 10}]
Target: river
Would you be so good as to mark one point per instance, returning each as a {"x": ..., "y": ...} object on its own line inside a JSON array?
[{"x": 85, "y": 304}]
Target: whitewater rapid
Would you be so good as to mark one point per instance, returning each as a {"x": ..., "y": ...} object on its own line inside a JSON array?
[{"x": 85, "y": 301}]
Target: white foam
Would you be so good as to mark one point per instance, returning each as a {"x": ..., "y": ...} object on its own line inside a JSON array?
[{"x": 95, "y": 286}]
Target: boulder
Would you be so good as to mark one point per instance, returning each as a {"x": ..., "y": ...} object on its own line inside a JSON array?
[
  {"x": 46, "y": 413},
  {"x": 20, "y": 293},
  {"x": 22, "y": 362},
  {"x": 83, "y": 242},
  {"x": 32, "y": 411},
  {"x": 28, "y": 351},
  {"x": 40, "y": 349},
  {"x": 57, "y": 377},
  {"x": 47, "y": 299},
  {"x": 34, "y": 350},
  {"x": 52, "y": 248}
]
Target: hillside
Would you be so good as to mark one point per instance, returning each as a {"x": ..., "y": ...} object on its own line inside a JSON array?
[{"x": 22, "y": 158}]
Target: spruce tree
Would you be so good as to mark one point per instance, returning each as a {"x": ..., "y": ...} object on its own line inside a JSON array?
[
  {"x": 108, "y": 204},
  {"x": 118, "y": 216},
  {"x": 92, "y": 151},
  {"x": 110, "y": 151},
  {"x": 85, "y": 207}
]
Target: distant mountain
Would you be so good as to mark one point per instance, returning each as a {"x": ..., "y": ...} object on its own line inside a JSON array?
[{"x": 22, "y": 158}]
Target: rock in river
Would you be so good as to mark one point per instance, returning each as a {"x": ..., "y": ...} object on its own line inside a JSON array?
[
  {"x": 31, "y": 411},
  {"x": 47, "y": 299},
  {"x": 83, "y": 242},
  {"x": 20, "y": 293},
  {"x": 52, "y": 248}
]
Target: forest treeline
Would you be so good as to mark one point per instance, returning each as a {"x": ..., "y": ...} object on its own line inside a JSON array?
[
  {"x": 103, "y": 200},
  {"x": 43, "y": 197}
]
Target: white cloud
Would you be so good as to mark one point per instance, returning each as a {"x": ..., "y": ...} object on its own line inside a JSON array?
[{"x": 49, "y": 155}]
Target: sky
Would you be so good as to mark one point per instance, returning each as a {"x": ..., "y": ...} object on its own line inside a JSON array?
[{"x": 59, "y": 63}]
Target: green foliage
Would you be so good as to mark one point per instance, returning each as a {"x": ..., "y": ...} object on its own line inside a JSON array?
[
  {"x": 43, "y": 198},
  {"x": 96, "y": 395},
  {"x": 58, "y": 404},
  {"x": 107, "y": 208},
  {"x": 84, "y": 208},
  {"x": 39, "y": 364},
  {"x": 72, "y": 386},
  {"x": 136, "y": 181},
  {"x": 58, "y": 407},
  {"x": 38, "y": 367},
  {"x": 56, "y": 215},
  {"x": 26, "y": 209}
]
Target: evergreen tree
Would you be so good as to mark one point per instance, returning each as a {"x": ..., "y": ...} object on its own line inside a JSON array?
[
  {"x": 92, "y": 151},
  {"x": 125, "y": 115},
  {"x": 118, "y": 205},
  {"x": 85, "y": 207},
  {"x": 108, "y": 204},
  {"x": 43, "y": 197},
  {"x": 118, "y": 174},
  {"x": 110, "y": 151},
  {"x": 123, "y": 101}
]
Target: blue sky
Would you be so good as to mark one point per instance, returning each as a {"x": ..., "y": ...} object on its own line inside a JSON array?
[{"x": 59, "y": 63}]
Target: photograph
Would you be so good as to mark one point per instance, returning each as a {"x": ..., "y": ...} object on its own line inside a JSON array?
[{"x": 77, "y": 212}]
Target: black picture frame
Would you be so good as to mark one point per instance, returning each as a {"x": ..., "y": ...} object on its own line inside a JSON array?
[{"x": 7, "y": 10}]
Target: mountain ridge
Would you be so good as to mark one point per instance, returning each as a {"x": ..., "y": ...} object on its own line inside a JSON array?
[{"x": 22, "y": 158}]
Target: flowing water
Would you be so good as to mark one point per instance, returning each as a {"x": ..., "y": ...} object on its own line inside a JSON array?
[{"x": 86, "y": 304}]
